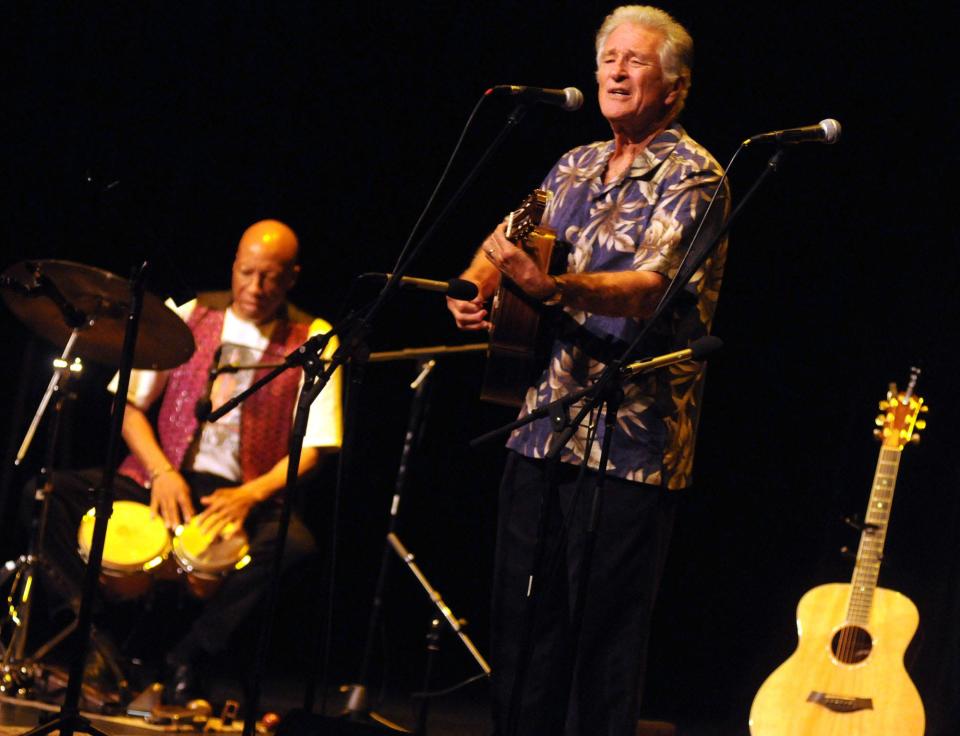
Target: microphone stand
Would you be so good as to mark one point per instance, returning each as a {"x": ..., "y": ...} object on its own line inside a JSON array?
[
  {"x": 604, "y": 390},
  {"x": 354, "y": 328},
  {"x": 314, "y": 380},
  {"x": 357, "y": 704},
  {"x": 69, "y": 719}
]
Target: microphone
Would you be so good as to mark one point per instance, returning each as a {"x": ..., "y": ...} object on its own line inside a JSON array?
[
  {"x": 454, "y": 288},
  {"x": 698, "y": 350},
  {"x": 204, "y": 403},
  {"x": 826, "y": 131},
  {"x": 569, "y": 98}
]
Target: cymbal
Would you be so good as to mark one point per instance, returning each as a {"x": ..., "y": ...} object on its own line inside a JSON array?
[{"x": 99, "y": 303}]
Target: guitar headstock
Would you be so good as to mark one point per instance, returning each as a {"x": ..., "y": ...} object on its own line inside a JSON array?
[
  {"x": 899, "y": 421},
  {"x": 525, "y": 219}
]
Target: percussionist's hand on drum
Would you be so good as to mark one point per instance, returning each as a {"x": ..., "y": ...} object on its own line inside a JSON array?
[
  {"x": 226, "y": 510},
  {"x": 170, "y": 499}
]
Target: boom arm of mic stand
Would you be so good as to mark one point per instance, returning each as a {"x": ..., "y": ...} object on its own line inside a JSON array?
[
  {"x": 302, "y": 356},
  {"x": 444, "y": 609}
]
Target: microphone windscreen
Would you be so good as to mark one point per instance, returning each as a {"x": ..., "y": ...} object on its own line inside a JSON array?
[
  {"x": 573, "y": 99},
  {"x": 704, "y": 346},
  {"x": 462, "y": 289},
  {"x": 831, "y": 130}
]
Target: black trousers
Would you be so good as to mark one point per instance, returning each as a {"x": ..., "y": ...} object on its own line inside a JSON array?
[
  {"x": 599, "y": 693},
  {"x": 237, "y": 596}
]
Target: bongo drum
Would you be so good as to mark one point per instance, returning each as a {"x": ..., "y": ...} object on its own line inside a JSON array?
[
  {"x": 135, "y": 545},
  {"x": 206, "y": 561}
]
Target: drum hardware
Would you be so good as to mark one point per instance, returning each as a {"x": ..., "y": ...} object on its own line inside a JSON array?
[
  {"x": 85, "y": 309},
  {"x": 106, "y": 307},
  {"x": 94, "y": 303},
  {"x": 18, "y": 670}
]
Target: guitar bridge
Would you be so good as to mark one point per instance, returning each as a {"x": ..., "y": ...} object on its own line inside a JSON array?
[{"x": 840, "y": 703}]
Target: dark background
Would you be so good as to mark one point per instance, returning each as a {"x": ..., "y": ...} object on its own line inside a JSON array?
[{"x": 160, "y": 130}]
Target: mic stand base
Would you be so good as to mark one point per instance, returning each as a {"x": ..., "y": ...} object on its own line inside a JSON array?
[
  {"x": 300, "y": 722},
  {"x": 358, "y": 711}
]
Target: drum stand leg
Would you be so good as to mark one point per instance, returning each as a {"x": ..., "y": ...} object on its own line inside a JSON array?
[
  {"x": 24, "y": 568},
  {"x": 69, "y": 720},
  {"x": 18, "y": 671}
]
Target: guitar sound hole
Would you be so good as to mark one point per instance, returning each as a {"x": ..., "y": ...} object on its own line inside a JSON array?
[{"x": 851, "y": 644}]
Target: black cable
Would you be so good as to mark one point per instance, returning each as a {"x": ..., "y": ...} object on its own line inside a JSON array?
[
  {"x": 452, "y": 689},
  {"x": 436, "y": 189}
]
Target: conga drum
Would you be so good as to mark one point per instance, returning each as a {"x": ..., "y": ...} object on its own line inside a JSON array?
[
  {"x": 135, "y": 545},
  {"x": 204, "y": 560}
]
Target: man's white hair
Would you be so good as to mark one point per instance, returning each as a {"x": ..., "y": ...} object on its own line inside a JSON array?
[{"x": 676, "y": 50}]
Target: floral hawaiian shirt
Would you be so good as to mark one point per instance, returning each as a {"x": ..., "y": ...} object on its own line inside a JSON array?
[{"x": 643, "y": 221}]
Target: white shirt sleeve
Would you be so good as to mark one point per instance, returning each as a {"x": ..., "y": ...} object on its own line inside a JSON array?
[
  {"x": 325, "y": 423},
  {"x": 147, "y": 386}
]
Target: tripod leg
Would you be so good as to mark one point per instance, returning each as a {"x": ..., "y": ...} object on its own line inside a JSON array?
[{"x": 67, "y": 725}]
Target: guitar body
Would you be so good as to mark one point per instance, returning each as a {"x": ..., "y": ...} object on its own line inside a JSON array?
[
  {"x": 514, "y": 350},
  {"x": 865, "y": 691}
]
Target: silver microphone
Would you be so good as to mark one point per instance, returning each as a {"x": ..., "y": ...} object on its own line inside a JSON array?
[
  {"x": 826, "y": 131},
  {"x": 568, "y": 98}
]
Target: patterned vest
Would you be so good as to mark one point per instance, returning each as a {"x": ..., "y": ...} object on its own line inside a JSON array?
[{"x": 265, "y": 419}]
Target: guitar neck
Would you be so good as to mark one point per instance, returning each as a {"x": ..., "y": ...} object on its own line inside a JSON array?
[{"x": 870, "y": 552}]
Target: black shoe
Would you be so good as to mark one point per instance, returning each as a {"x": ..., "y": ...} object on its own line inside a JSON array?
[{"x": 182, "y": 682}]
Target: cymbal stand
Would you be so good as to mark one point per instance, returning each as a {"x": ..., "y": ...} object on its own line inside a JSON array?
[
  {"x": 69, "y": 719},
  {"x": 62, "y": 369},
  {"x": 15, "y": 670}
]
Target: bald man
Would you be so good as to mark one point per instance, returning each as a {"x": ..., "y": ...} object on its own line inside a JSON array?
[{"x": 224, "y": 476}]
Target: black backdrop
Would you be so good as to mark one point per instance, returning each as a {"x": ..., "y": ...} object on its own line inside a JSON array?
[{"x": 161, "y": 130}]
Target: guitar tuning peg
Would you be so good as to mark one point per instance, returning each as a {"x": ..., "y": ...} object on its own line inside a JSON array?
[
  {"x": 915, "y": 439},
  {"x": 879, "y": 420},
  {"x": 883, "y": 406},
  {"x": 924, "y": 408},
  {"x": 878, "y": 434},
  {"x": 921, "y": 424}
]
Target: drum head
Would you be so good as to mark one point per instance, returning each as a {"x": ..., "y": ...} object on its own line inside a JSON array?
[
  {"x": 133, "y": 538},
  {"x": 199, "y": 552}
]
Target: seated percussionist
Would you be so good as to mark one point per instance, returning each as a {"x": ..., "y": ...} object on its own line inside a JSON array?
[{"x": 226, "y": 475}]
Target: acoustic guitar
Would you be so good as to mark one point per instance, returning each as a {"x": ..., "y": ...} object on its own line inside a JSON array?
[
  {"x": 846, "y": 677},
  {"x": 516, "y": 340}
]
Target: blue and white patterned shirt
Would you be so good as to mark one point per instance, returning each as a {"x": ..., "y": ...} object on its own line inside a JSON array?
[{"x": 643, "y": 221}]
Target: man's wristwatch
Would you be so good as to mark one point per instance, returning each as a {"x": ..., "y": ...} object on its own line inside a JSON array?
[{"x": 556, "y": 296}]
